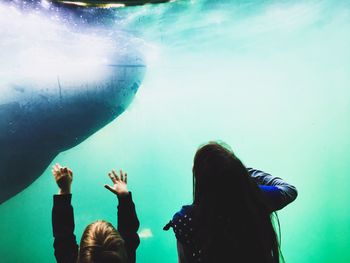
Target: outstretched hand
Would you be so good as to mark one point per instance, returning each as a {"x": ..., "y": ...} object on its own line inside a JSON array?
[
  {"x": 119, "y": 187},
  {"x": 63, "y": 177}
]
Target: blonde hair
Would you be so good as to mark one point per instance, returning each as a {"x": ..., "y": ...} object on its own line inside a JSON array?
[{"x": 101, "y": 242}]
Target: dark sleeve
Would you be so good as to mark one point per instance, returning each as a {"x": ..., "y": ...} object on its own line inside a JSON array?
[
  {"x": 128, "y": 224},
  {"x": 65, "y": 245},
  {"x": 278, "y": 192}
]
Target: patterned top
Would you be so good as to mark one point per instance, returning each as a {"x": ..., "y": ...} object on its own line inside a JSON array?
[
  {"x": 184, "y": 229},
  {"x": 278, "y": 193}
]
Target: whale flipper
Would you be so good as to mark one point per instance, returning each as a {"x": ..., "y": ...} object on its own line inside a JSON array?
[{"x": 22, "y": 168}]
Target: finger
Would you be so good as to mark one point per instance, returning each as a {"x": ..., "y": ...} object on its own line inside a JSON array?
[
  {"x": 70, "y": 172},
  {"x": 110, "y": 188},
  {"x": 54, "y": 167},
  {"x": 62, "y": 171},
  {"x": 55, "y": 172},
  {"x": 115, "y": 175},
  {"x": 121, "y": 175},
  {"x": 126, "y": 178},
  {"x": 112, "y": 178},
  {"x": 65, "y": 169}
]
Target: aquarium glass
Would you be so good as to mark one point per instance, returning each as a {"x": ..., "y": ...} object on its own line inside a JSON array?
[{"x": 269, "y": 78}]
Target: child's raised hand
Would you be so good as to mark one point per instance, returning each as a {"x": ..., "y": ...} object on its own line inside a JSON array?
[
  {"x": 63, "y": 177},
  {"x": 119, "y": 183}
]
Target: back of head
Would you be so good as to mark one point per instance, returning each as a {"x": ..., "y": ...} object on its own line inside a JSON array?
[
  {"x": 232, "y": 218},
  {"x": 218, "y": 175},
  {"x": 101, "y": 243}
]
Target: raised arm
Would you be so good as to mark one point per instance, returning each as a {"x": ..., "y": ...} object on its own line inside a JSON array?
[
  {"x": 278, "y": 192},
  {"x": 65, "y": 245},
  {"x": 128, "y": 223}
]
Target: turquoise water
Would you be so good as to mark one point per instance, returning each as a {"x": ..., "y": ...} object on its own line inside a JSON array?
[{"x": 270, "y": 78}]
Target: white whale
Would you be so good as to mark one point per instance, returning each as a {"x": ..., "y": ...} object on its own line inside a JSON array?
[{"x": 60, "y": 82}]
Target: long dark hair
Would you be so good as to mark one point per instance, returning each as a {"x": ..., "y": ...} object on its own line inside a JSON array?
[{"x": 232, "y": 218}]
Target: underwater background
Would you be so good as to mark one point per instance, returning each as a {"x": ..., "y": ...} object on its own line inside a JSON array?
[{"x": 270, "y": 78}]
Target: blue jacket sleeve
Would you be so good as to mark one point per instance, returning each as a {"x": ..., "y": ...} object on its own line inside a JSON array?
[
  {"x": 65, "y": 245},
  {"x": 278, "y": 192}
]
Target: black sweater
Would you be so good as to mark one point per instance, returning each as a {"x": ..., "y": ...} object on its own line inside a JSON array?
[{"x": 65, "y": 244}]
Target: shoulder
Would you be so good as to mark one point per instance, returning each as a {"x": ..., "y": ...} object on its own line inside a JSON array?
[
  {"x": 184, "y": 212},
  {"x": 182, "y": 223}
]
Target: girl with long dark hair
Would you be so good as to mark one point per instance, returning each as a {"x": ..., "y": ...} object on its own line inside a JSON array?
[{"x": 230, "y": 218}]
